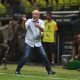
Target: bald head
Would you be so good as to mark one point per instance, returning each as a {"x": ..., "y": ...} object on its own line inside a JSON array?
[
  {"x": 36, "y": 11},
  {"x": 35, "y": 14}
]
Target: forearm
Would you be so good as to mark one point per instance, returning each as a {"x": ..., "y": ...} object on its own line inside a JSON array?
[{"x": 41, "y": 29}]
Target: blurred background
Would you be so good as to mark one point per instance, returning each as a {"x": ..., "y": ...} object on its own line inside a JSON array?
[{"x": 42, "y": 4}]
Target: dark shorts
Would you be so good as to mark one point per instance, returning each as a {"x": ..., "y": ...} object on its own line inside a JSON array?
[{"x": 49, "y": 47}]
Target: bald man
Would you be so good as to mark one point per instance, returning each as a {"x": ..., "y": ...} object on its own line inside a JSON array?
[{"x": 34, "y": 27}]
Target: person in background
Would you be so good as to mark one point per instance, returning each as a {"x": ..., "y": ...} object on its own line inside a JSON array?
[
  {"x": 34, "y": 27},
  {"x": 75, "y": 22},
  {"x": 4, "y": 48},
  {"x": 76, "y": 48},
  {"x": 13, "y": 34},
  {"x": 49, "y": 37}
]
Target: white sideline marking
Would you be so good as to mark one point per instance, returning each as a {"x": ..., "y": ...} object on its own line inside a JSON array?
[{"x": 49, "y": 77}]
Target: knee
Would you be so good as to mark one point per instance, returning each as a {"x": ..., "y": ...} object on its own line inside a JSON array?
[
  {"x": 44, "y": 56},
  {"x": 25, "y": 56}
]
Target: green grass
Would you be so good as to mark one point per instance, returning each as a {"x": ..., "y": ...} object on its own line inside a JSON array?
[{"x": 37, "y": 73}]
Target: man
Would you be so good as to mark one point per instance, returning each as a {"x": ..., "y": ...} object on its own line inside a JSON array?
[
  {"x": 49, "y": 38},
  {"x": 34, "y": 27}
]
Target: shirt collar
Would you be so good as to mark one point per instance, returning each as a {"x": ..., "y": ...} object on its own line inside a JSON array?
[{"x": 35, "y": 21}]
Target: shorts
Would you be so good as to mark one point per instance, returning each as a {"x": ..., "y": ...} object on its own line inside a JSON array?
[{"x": 49, "y": 47}]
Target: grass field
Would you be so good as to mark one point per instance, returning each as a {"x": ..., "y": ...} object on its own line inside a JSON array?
[{"x": 37, "y": 73}]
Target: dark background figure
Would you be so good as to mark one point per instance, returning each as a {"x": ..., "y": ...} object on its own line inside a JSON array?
[
  {"x": 76, "y": 32},
  {"x": 75, "y": 23},
  {"x": 16, "y": 34},
  {"x": 13, "y": 40},
  {"x": 3, "y": 47},
  {"x": 76, "y": 47},
  {"x": 13, "y": 6}
]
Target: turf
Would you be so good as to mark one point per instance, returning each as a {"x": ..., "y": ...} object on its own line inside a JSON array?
[{"x": 37, "y": 73}]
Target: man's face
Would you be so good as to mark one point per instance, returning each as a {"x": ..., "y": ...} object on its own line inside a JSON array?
[
  {"x": 48, "y": 16},
  {"x": 35, "y": 14}
]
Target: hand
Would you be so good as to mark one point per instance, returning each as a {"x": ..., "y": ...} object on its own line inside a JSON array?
[
  {"x": 37, "y": 24},
  {"x": 71, "y": 59},
  {"x": 76, "y": 57}
]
